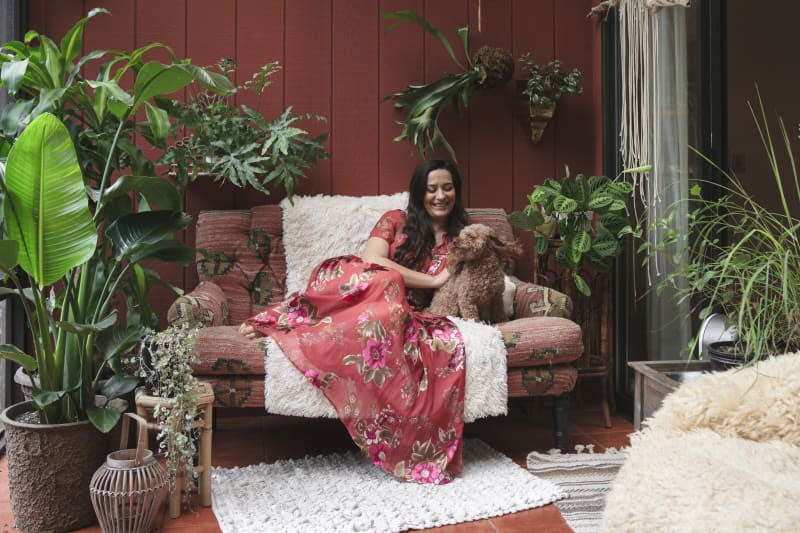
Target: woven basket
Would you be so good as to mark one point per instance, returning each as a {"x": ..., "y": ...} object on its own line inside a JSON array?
[{"x": 130, "y": 487}]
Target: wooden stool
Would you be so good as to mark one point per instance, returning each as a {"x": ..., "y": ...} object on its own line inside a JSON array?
[{"x": 205, "y": 400}]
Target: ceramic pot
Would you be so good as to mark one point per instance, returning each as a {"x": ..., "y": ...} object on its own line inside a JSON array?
[{"x": 724, "y": 355}]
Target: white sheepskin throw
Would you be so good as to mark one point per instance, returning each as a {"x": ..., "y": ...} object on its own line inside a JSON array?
[
  {"x": 721, "y": 454},
  {"x": 701, "y": 481},
  {"x": 759, "y": 402},
  {"x": 288, "y": 392},
  {"x": 320, "y": 227}
]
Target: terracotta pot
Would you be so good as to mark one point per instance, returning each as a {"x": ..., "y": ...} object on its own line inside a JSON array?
[
  {"x": 49, "y": 469},
  {"x": 540, "y": 116}
]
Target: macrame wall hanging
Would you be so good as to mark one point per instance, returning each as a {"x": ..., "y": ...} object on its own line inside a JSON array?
[{"x": 638, "y": 29}]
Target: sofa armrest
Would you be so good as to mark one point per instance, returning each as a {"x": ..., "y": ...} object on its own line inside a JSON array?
[
  {"x": 206, "y": 305},
  {"x": 536, "y": 300}
]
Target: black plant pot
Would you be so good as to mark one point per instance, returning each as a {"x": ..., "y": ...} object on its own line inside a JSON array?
[{"x": 724, "y": 355}]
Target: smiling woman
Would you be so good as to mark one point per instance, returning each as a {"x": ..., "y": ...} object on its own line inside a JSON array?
[{"x": 394, "y": 374}]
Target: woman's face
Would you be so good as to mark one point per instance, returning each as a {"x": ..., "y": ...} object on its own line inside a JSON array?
[{"x": 440, "y": 196}]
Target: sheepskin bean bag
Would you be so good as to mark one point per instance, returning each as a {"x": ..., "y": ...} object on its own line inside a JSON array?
[{"x": 722, "y": 454}]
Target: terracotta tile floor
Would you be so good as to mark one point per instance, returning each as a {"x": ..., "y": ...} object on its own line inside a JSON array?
[{"x": 243, "y": 438}]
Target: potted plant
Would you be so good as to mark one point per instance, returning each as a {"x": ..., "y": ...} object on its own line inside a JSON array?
[
  {"x": 589, "y": 218},
  {"x": 488, "y": 67},
  {"x": 237, "y": 144},
  {"x": 739, "y": 257},
  {"x": 544, "y": 87},
  {"x": 71, "y": 250},
  {"x": 165, "y": 365}
]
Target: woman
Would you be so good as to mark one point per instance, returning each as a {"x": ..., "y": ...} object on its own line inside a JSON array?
[{"x": 394, "y": 373}]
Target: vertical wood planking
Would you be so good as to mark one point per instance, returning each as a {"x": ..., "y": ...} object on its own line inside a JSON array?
[
  {"x": 37, "y": 16},
  {"x": 490, "y": 116},
  {"x": 307, "y": 76},
  {"x": 532, "y": 163},
  {"x": 575, "y": 117},
  {"x": 448, "y": 16},
  {"x": 401, "y": 64},
  {"x": 60, "y": 16},
  {"x": 210, "y": 36},
  {"x": 354, "y": 113},
  {"x": 163, "y": 22},
  {"x": 259, "y": 39},
  {"x": 114, "y": 31}
]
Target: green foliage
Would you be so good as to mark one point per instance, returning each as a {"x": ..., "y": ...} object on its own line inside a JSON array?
[
  {"x": 743, "y": 259},
  {"x": 235, "y": 143},
  {"x": 591, "y": 219},
  {"x": 547, "y": 83},
  {"x": 166, "y": 366},
  {"x": 424, "y": 103},
  {"x": 71, "y": 240}
]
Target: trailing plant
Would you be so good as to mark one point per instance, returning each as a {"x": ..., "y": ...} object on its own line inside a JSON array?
[
  {"x": 73, "y": 243},
  {"x": 739, "y": 257},
  {"x": 548, "y": 83},
  {"x": 591, "y": 220},
  {"x": 235, "y": 143},
  {"x": 166, "y": 367},
  {"x": 488, "y": 67}
]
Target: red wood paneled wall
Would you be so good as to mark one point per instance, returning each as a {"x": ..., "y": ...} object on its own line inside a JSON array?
[{"x": 338, "y": 62}]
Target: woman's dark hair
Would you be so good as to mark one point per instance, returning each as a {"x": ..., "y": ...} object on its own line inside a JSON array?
[{"x": 418, "y": 226}]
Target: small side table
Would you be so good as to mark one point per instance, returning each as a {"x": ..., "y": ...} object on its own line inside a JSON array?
[{"x": 205, "y": 399}]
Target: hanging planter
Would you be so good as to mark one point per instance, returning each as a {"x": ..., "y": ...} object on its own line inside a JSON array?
[
  {"x": 541, "y": 114},
  {"x": 543, "y": 88}
]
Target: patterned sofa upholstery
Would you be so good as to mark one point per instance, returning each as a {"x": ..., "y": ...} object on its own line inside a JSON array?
[{"x": 242, "y": 268}]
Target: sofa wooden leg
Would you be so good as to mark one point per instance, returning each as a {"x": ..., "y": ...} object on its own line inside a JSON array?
[{"x": 560, "y": 420}]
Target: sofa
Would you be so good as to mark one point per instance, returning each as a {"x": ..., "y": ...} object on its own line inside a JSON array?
[{"x": 242, "y": 267}]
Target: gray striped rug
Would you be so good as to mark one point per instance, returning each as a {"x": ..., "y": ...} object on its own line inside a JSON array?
[{"x": 585, "y": 477}]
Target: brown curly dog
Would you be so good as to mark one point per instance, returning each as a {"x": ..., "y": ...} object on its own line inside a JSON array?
[{"x": 475, "y": 288}]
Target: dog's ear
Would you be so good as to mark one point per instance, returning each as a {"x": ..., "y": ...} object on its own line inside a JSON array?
[{"x": 506, "y": 249}]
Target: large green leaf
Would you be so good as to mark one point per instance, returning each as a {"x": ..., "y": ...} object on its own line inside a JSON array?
[
  {"x": 47, "y": 209},
  {"x": 103, "y": 418},
  {"x": 156, "y": 79},
  {"x": 137, "y": 230},
  {"x": 12, "y": 75},
  {"x": 9, "y": 255},
  {"x": 72, "y": 41},
  {"x": 157, "y": 191},
  {"x": 12, "y": 353}
]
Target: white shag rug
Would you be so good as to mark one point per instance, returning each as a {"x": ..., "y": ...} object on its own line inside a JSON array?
[
  {"x": 341, "y": 225},
  {"x": 346, "y": 493},
  {"x": 585, "y": 478}
]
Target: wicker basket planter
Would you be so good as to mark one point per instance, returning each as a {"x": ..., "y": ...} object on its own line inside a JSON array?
[{"x": 49, "y": 469}]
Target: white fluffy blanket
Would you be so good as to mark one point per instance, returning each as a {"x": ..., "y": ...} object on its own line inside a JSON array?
[
  {"x": 722, "y": 454},
  {"x": 319, "y": 227}
]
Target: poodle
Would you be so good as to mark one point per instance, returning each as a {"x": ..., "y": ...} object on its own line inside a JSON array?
[{"x": 475, "y": 288}]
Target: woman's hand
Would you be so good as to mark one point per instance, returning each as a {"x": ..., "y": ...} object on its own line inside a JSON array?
[
  {"x": 248, "y": 331},
  {"x": 441, "y": 278}
]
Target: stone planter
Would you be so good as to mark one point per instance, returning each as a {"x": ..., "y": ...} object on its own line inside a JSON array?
[{"x": 49, "y": 469}]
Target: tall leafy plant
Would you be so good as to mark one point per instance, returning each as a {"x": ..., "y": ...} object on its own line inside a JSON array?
[
  {"x": 739, "y": 257},
  {"x": 73, "y": 242}
]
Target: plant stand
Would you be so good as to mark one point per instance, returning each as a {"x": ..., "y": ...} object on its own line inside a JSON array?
[
  {"x": 205, "y": 400},
  {"x": 593, "y": 314}
]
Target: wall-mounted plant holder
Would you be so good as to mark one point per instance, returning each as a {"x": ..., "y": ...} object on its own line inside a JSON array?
[{"x": 540, "y": 115}]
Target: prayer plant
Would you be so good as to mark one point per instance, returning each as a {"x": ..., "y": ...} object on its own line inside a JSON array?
[
  {"x": 72, "y": 242},
  {"x": 489, "y": 67}
]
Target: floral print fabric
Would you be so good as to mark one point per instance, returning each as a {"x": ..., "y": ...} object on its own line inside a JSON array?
[{"x": 394, "y": 374}]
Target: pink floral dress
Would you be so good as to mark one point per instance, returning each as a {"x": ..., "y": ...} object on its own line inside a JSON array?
[{"x": 394, "y": 374}]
